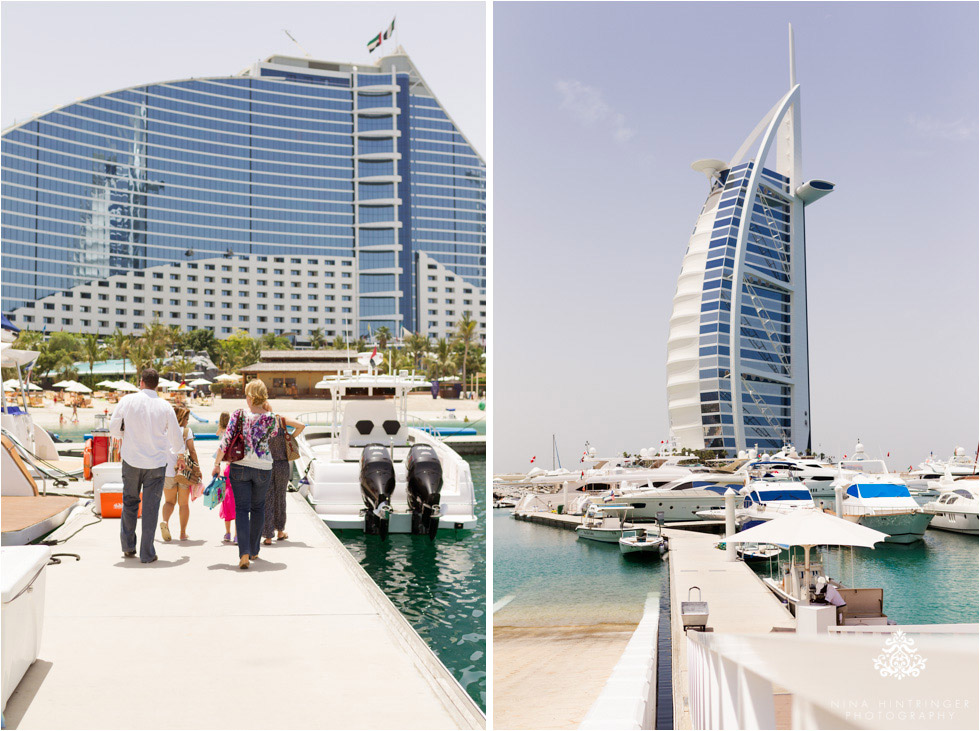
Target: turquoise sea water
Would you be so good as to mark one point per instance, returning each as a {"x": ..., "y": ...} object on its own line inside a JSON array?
[
  {"x": 439, "y": 586},
  {"x": 557, "y": 579}
]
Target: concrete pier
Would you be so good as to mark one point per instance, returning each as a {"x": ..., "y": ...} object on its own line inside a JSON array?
[
  {"x": 302, "y": 639},
  {"x": 737, "y": 600}
]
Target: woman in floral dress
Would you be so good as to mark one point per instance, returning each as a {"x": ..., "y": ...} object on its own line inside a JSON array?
[{"x": 251, "y": 476}]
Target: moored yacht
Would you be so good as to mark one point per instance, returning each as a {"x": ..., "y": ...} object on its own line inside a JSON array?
[
  {"x": 956, "y": 508},
  {"x": 880, "y": 500},
  {"x": 765, "y": 497},
  {"x": 364, "y": 468}
]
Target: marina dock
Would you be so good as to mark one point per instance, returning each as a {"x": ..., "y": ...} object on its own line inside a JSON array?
[
  {"x": 569, "y": 522},
  {"x": 737, "y": 602},
  {"x": 302, "y": 639}
]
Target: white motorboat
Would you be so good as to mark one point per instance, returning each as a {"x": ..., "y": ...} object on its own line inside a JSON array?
[
  {"x": 605, "y": 523},
  {"x": 924, "y": 479},
  {"x": 815, "y": 475},
  {"x": 647, "y": 540},
  {"x": 880, "y": 500},
  {"x": 28, "y": 456},
  {"x": 680, "y": 499},
  {"x": 365, "y": 469},
  {"x": 956, "y": 508},
  {"x": 766, "y": 496}
]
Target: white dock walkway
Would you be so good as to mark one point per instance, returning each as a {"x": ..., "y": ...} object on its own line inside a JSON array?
[
  {"x": 737, "y": 602},
  {"x": 302, "y": 639}
]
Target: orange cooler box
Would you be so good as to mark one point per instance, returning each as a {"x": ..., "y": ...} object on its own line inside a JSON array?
[{"x": 111, "y": 500}]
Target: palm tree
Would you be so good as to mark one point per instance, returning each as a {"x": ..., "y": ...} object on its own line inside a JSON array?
[
  {"x": 382, "y": 335},
  {"x": 359, "y": 345},
  {"x": 465, "y": 329},
  {"x": 141, "y": 353},
  {"x": 417, "y": 345},
  {"x": 66, "y": 366},
  {"x": 182, "y": 366},
  {"x": 175, "y": 339},
  {"x": 339, "y": 343},
  {"x": 441, "y": 359},
  {"x": 92, "y": 351},
  {"x": 119, "y": 346},
  {"x": 317, "y": 339}
]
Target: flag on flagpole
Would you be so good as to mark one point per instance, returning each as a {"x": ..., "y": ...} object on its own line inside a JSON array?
[
  {"x": 389, "y": 30},
  {"x": 374, "y": 42}
]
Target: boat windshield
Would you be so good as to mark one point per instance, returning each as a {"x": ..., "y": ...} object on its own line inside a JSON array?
[
  {"x": 865, "y": 466},
  {"x": 768, "y": 496}
]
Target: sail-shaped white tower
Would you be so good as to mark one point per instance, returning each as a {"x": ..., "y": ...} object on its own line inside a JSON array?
[{"x": 737, "y": 360}]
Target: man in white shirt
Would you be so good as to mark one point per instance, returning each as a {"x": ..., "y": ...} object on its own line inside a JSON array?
[{"x": 149, "y": 431}]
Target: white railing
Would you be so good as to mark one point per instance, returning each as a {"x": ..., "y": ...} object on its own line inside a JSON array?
[{"x": 839, "y": 681}]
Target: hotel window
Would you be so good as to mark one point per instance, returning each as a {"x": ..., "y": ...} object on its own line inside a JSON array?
[{"x": 157, "y": 288}]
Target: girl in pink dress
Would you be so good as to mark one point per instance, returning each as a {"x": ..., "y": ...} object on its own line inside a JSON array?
[{"x": 227, "y": 509}]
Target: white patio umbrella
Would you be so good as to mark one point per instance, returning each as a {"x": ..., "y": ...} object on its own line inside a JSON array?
[
  {"x": 107, "y": 384},
  {"x": 124, "y": 386},
  {"x": 62, "y": 384},
  {"x": 228, "y": 377},
  {"x": 200, "y": 382},
  {"x": 12, "y": 383},
  {"x": 166, "y": 383},
  {"x": 77, "y": 387},
  {"x": 810, "y": 528},
  {"x": 181, "y": 387}
]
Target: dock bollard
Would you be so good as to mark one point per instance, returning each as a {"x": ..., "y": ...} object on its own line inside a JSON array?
[
  {"x": 839, "y": 500},
  {"x": 729, "y": 524}
]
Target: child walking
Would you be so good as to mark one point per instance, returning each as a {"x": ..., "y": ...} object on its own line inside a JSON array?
[{"x": 227, "y": 509}]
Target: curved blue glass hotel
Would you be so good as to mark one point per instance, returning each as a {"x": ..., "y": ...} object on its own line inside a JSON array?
[
  {"x": 297, "y": 195},
  {"x": 737, "y": 354}
]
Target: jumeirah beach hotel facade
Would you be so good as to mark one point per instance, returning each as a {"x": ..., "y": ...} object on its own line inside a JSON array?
[
  {"x": 737, "y": 359},
  {"x": 293, "y": 196}
]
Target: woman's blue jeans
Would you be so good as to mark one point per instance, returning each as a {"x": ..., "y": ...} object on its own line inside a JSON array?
[{"x": 250, "y": 487}]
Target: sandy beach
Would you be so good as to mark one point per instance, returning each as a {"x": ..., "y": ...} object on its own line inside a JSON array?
[{"x": 549, "y": 677}]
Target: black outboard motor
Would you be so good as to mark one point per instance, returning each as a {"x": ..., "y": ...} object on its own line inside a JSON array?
[
  {"x": 377, "y": 485},
  {"x": 424, "y": 485}
]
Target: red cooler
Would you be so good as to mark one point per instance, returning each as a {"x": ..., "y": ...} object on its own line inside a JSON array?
[{"x": 100, "y": 446}]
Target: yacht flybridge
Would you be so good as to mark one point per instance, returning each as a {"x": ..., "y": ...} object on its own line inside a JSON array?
[{"x": 364, "y": 468}]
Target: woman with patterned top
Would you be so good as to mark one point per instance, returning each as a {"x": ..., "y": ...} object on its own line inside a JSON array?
[{"x": 251, "y": 476}]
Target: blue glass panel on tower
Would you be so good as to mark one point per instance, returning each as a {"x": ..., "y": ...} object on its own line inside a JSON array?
[{"x": 270, "y": 164}]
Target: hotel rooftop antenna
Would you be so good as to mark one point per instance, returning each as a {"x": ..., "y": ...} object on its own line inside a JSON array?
[
  {"x": 297, "y": 43},
  {"x": 792, "y": 58}
]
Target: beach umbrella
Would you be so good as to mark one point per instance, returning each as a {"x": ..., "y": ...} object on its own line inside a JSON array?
[
  {"x": 228, "y": 377},
  {"x": 77, "y": 387},
  {"x": 165, "y": 383},
  {"x": 107, "y": 384},
  {"x": 200, "y": 382},
  {"x": 809, "y": 528},
  {"x": 62, "y": 384},
  {"x": 124, "y": 386},
  {"x": 181, "y": 387}
]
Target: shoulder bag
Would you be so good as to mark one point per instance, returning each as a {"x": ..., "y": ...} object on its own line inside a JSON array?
[
  {"x": 292, "y": 451},
  {"x": 236, "y": 445}
]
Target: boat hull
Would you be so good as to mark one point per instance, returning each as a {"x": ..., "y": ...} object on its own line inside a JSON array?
[
  {"x": 653, "y": 548},
  {"x": 968, "y": 523},
  {"x": 675, "y": 507},
  {"x": 900, "y": 527},
  {"x": 602, "y": 535}
]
